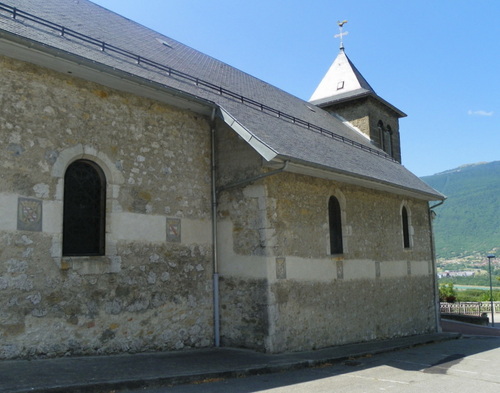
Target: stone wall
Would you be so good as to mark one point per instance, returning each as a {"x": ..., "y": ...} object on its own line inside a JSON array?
[
  {"x": 311, "y": 315},
  {"x": 365, "y": 114},
  {"x": 152, "y": 288},
  {"x": 376, "y": 289}
]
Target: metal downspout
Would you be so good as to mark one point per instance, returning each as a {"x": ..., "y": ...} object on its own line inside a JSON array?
[
  {"x": 215, "y": 279},
  {"x": 215, "y": 256},
  {"x": 437, "y": 312}
]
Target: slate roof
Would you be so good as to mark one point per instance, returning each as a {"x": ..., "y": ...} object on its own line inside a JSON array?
[
  {"x": 343, "y": 82},
  {"x": 277, "y": 124},
  {"x": 341, "y": 71}
]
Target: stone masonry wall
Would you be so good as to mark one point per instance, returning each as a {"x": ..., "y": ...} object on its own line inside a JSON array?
[
  {"x": 312, "y": 315},
  {"x": 365, "y": 115},
  {"x": 376, "y": 289},
  {"x": 152, "y": 289}
]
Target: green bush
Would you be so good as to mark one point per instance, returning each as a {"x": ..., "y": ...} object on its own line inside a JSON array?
[{"x": 447, "y": 293}]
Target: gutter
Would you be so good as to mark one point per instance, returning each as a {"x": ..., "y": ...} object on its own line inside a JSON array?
[
  {"x": 60, "y": 60},
  {"x": 215, "y": 193},
  {"x": 244, "y": 182}
]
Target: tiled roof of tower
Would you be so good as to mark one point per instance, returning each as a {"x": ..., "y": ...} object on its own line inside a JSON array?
[
  {"x": 341, "y": 77},
  {"x": 344, "y": 82},
  {"x": 284, "y": 126}
]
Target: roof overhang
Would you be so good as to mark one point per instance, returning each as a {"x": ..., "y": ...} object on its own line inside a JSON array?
[
  {"x": 356, "y": 95},
  {"x": 353, "y": 179},
  {"x": 20, "y": 48}
]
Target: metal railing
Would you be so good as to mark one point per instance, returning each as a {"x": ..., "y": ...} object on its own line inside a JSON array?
[
  {"x": 468, "y": 308},
  {"x": 103, "y": 46}
]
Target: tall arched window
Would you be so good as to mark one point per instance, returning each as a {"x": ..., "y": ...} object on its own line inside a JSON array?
[
  {"x": 335, "y": 222},
  {"x": 380, "y": 129},
  {"x": 388, "y": 140},
  {"x": 406, "y": 228},
  {"x": 84, "y": 209}
]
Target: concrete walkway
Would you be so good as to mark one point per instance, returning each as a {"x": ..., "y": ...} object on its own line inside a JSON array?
[{"x": 108, "y": 373}]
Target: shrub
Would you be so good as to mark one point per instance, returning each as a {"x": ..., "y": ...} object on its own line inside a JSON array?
[{"x": 447, "y": 293}]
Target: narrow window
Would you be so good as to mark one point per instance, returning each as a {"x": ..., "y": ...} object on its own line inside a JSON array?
[
  {"x": 380, "y": 128},
  {"x": 84, "y": 209},
  {"x": 334, "y": 218},
  {"x": 388, "y": 140},
  {"x": 406, "y": 228}
]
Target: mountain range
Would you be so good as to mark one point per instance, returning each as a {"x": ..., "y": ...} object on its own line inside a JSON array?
[{"x": 467, "y": 225}]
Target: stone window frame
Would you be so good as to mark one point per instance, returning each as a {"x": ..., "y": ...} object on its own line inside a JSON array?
[
  {"x": 110, "y": 262},
  {"x": 406, "y": 226}
]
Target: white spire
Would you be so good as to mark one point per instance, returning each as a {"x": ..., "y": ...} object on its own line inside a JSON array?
[{"x": 342, "y": 77}]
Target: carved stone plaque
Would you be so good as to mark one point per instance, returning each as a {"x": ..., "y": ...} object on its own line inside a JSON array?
[
  {"x": 29, "y": 214},
  {"x": 174, "y": 230}
]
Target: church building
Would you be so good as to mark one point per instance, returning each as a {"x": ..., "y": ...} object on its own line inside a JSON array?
[{"x": 153, "y": 198}]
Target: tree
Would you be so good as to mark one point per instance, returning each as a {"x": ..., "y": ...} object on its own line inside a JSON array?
[{"x": 447, "y": 293}]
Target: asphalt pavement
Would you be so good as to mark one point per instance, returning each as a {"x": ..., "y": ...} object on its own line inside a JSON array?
[{"x": 149, "y": 370}]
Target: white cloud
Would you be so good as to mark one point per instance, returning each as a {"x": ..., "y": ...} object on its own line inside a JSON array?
[{"x": 479, "y": 113}]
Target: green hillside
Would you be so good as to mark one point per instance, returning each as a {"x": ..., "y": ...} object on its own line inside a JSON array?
[{"x": 468, "y": 223}]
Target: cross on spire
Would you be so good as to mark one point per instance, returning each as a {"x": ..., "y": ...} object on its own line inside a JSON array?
[{"x": 342, "y": 33}]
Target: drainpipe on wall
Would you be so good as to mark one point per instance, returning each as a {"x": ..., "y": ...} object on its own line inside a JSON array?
[
  {"x": 434, "y": 271},
  {"x": 214, "y": 236},
  {"x": 215, "y": 192}
]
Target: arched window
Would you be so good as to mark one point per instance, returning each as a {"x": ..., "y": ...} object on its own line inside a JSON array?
[
  {"x": 335, "y": 222},
  {"x": 388, "y": 140},
  {"x": 385, "y": 137},
  {"x": 380, "y": 129},
  {"x": 84, "y": 209},
  {"x": 406, "y": 228}
]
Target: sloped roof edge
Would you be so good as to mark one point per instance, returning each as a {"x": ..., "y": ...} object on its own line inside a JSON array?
[{"x": 264, "y": 150}]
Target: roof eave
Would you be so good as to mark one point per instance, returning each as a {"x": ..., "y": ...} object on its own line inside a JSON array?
[
  {"x": 311, "y": 169},
  {"x": 335, "y": 100},
  {"x": 34, "y": 52}
]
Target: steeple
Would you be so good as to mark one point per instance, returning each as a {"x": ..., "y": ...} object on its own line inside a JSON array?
[
  {"x": 343, "y": 91},
  {"x": 341, "y": 80}
]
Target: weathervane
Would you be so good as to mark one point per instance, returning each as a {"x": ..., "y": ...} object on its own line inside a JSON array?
[{"x": 342, "y": 33}]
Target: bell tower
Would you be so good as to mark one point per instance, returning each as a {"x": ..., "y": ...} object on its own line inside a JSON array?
[{"x": 345, "y": 92}]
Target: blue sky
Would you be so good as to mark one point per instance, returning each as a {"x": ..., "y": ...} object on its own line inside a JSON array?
[{"x": 438, "y": 61}]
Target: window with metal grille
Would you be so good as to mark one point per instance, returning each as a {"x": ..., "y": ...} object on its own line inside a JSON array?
[
  {"x": 84, "y": 209},
  {"x": 335, "y": 222}
]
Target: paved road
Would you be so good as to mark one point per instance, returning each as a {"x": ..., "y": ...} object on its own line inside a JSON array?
[{"x": 471, "y": 364}]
